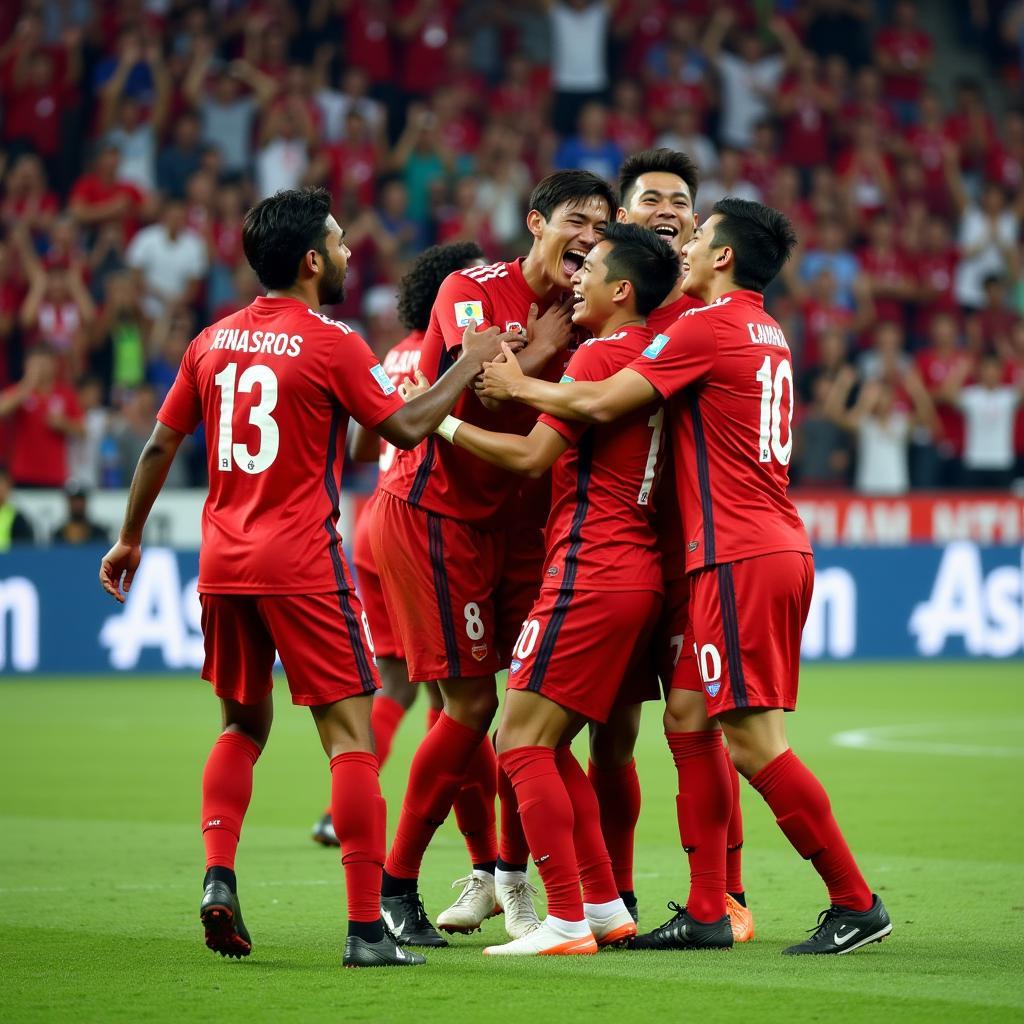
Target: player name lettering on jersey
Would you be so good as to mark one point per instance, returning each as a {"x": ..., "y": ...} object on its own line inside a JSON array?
[
  {"x": 767, "y": 334},
  {"x": 264, "y": 342},
  {"x": 401, "y": 364}
]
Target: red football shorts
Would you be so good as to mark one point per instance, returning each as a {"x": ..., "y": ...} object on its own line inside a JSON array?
[
  {"x": 323, "y": 640},
  {"x": 440, "y": 577},
  {"x": 385, "y": 640},
  {"x": 673, "y": 640},
  {"x": 577, "y": 647},
  {"x": 748, "y": 618}
]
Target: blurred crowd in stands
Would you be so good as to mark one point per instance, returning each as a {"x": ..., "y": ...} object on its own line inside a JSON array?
[{"x": 134, "y": 134}]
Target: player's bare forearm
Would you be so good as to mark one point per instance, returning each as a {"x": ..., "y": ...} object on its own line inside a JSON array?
[
  {"x": 363, "y": 445},
  {"x": 531, "y": 456},
  {"x": 150, "y": 474}
]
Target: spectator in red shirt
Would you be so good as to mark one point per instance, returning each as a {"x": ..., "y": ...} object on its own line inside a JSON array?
[
  {"x": 992, "y": 329},
  {"x": 888, "y": 272},
  {"x": 27, "y": 200},
  {"x": 628, "y": 125},
  {"x": 368, "y": 39},
  {"x": 868, "y": 105},
  {"x": 46, "y": 414},
  {"x": 935, "y": 266},
  {"x": 823, "y": 312},
  {"x": 929, "y": 146},
  {"x": 943, "y": 358},
  {"x": 424, "y": 26},
  {"x": 806, "y": 104},
  {"x": 867, "y": 173},
  {"x": 1005, "y": 164},
  {"x": 971, "y": 127},
  {"x": 349, "y": 167},
  {"x": 98, "y": 198},
  {"x": 904, "y": 52}
]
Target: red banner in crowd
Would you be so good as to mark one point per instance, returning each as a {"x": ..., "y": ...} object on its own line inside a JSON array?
[{"x": 852, "y": 520}]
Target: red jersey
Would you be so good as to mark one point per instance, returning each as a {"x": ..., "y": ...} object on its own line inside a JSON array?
[
  {"x": 732, "y": 444},
  {"x": 400, "y": 363},
  {"x": 669, "y": 508},
  {"x": 274, "y": 385},
  {"x": 439, "y": 477},
  {"x": 40, "y": 452},
  {"x": 600, "y": 534},
  {"x": 910, "y": 49}
]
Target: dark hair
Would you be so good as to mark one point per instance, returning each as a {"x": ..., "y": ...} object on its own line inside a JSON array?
[
  {"x": 279, "y": 231},
  {"x": 645, "y": 260},
  {"x": 761, "y": 239},
  {"x": 418, "y": 289},
  {"x": 567, "y": 186},
  {"x": 660, "y": 161}
]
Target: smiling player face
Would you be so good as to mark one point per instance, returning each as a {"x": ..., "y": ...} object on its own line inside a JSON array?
[
  {"x": 593, "y": 293},
  {"x": 331, "y": 286},
  {"x": 698, "y": 259},
  {"x": 565, "y": 239},
  {"x": 662, "y": 202}
]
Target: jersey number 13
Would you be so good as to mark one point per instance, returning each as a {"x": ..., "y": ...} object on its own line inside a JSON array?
[{"x": 231, "y": 454}]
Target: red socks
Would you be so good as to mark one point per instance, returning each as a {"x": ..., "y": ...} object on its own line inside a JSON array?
[
  {"x": 734, "y": 840},
  {"x": 435, "y": 777},
  {"x": 618, "y": 795},
  {"x": 514, "y": 849},
  {"x": 547, "y": 816},
  {"x": 359, "y": 815},
  {"x": 703, "y": 808},
  {"x": 385, "y": 717},
  {"x": 474, "y": 805},
  {"x": 802, "y": 809},
  {"x": 227, "y": 790},
  {"x": 592, "y": 859}
]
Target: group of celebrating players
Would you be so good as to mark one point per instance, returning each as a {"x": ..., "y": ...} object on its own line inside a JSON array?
[{"x": 583, "y": 471}]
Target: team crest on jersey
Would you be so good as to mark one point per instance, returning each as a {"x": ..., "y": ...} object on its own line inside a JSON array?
[
  {"x": 468, "y": 312},
  {"x": 479, "y": 651},
  {"x": 514, "y": 327},
  {"x": 693, "y": 545},
  {"x": 552, "y": 570},
  {"x": 658, "y": 342},
  {"x": 713, "y": 688},
  {"x": 515, "y": 666},
  {"x": 379, "y": 374}
]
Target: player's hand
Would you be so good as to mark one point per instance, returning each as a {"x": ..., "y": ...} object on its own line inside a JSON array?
[
  {"x": 414, "y": 387},
  {"x": 500, "y": 378},
  {"x": 481, "y": 346},
  {"x": 119, "y": 562},
  {"x": 554, "y": 328}
]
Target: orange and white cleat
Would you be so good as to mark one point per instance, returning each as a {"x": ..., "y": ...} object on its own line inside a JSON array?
[
  {"x": 615, "y": 929},
  {"x": 546, "y": 940},
  {"x": 741, "y": 919}
]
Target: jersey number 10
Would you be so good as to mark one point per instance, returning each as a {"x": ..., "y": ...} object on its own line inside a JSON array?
[
  {"x": 773, "y": 393},
  {"x": 230, "y": 455}
]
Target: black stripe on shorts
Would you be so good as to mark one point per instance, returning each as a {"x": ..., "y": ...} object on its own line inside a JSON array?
[
  {"x": 730, "y": 627},
  {"x": 442, "y": 593}
]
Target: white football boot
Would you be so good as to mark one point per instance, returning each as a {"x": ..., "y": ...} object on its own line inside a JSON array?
[
  {"x": 516, "y": 900},
  {"x": 473, "y": 907},
  {"x": 548, "y": 939}
]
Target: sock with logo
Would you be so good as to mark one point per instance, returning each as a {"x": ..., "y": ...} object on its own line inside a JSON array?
[
  {"x": 474, "y": 805},
  {"x": 734, "y": 838},
  {"x": 547, "y": 816},
  {"x": 592, "y": 859},
  {"x": 618, "y": 795},
  {"x": 703, "y": 808},
  {"x": 513, "y": 850},
  {"x": 435, "y": 776},
  {"x": 359, "y": 815},
  {"x": 386, "y": 715},
  {"x": 227, "y": 790},
  {"x": 802, "y": 808}
]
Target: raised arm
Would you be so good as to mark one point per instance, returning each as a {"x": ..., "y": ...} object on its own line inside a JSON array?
[
  {"x": 121, "y": 561},
  {"x": 599, "y": 401}
]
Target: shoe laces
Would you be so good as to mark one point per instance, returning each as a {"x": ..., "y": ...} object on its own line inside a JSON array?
[
  {"x": 677, "y": 913},
  {"x": 472, "y": 884},
  {"x": 825, "y": 918},
  {"x": 422, "y": 921}
]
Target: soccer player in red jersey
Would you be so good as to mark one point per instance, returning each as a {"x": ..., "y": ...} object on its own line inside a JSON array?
[
  {"x": 452, "y": 535},
  {"x": 657, "y": 189},
  {"x": 416, "y": 293},
  {"x": 592, "y": 624},
  {"x": 749, "y": 561},
  {"x": 274, "y": 384}
]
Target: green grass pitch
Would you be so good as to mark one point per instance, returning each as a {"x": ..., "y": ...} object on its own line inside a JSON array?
[{"x": 101, "y": 863}]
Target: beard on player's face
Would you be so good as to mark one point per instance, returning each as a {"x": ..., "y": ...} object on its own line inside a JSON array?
[{"x": 332, "y": 284}]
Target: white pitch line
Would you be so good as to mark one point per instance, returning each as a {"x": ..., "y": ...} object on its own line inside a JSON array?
[{"x": 915, "y": 739}]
